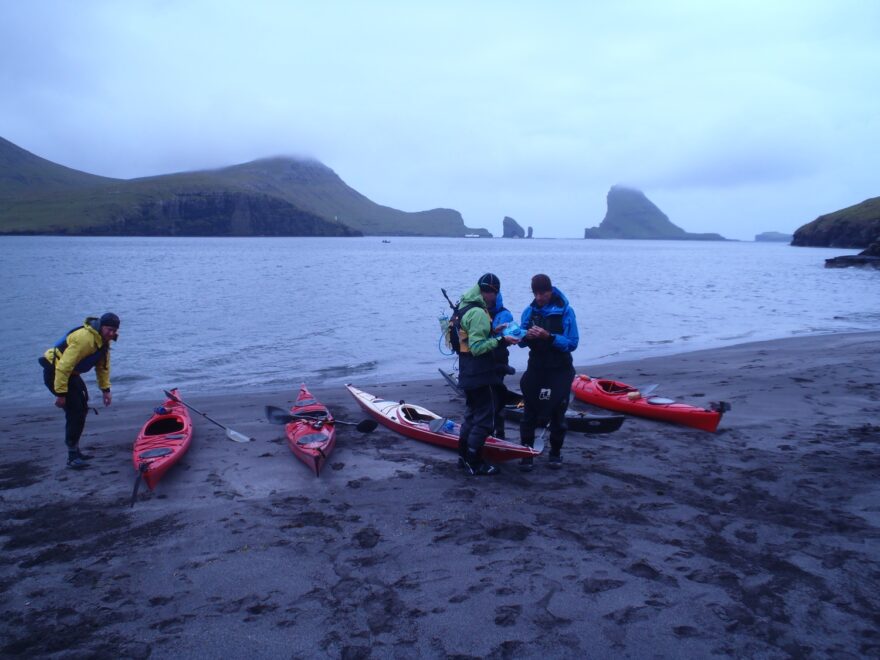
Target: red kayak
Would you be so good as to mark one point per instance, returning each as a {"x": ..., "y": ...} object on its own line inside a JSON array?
[
  {"x": 162, "y": 441},
  {"x": 421, "y": 424},
  {"x": 313, "y": 437},
  {"x": 613, "y": 395}
]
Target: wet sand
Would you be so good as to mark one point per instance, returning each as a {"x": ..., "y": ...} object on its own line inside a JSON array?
[{"x": 761, "y": 540}]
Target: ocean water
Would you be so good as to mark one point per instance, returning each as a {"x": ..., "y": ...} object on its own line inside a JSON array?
[{"x": 219, "y": 315}]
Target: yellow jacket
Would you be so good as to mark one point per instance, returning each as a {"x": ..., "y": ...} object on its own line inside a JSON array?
[{"x": 79, "y": 351}]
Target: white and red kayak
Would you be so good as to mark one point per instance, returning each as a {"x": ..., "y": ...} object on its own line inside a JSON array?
[
  {"x": 312, "y": 435},
  {"x": 420, "y": 423}
]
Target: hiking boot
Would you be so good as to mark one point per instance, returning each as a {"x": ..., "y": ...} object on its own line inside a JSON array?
[
  {"x": 554, "y": 461},
  {"x": 487, "y": 469},
  {"x": 526, "y": 464},
  {"x": 475, "y": 466},
  {"x": 76, "y": 463}
]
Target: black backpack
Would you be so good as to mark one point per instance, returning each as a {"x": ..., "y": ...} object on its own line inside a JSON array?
[{"x": 458, "y": 312}]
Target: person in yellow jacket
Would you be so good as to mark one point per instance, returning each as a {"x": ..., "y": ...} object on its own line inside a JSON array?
[{"x": 77, "y": 352}]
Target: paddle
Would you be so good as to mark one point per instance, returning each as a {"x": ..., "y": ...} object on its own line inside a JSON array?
[
  {"x": 277, "y": 415},
  {"x": 235, "y": 436},
  {"x": 137, "y": 483},
  {"x": 648, "y": 389}
]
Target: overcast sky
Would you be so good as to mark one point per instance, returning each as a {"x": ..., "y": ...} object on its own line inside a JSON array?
[{"x": 733, "y": 117}]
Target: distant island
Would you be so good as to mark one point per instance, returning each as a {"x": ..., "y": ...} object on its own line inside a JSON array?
[
  {"x": 773, "y": 237},
  {"x": 632, "y": 215},
  {"x": 856, "y": 226},
  {"x": 512, "y": 229},
  {"x": 267, "y": 197}
]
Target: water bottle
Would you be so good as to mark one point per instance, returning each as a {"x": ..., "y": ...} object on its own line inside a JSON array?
[
  {"x": 449, "y": 426},
  {"x": 161, "y": 410}
]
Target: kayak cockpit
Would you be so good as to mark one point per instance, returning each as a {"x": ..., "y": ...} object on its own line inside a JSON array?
[
  {"x": 164, "y": 425},
  {"x": 416, "y": 415}
]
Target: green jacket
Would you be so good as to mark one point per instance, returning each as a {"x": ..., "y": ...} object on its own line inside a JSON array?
[
  {"x": 476, "y": 325},
  {"x": 476, "y": 360}
]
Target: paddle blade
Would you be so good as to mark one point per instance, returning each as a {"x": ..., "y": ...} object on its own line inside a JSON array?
[
  {"x": 539, "y": 444},
  {"x": 137, "y": 485},
  {"x": 171, "y": 396},
  {"x": 277, "y": 415},
  {"x": 235, "y": 436},
  {"x": 648, "y": 389},
  {"x": 367, "y": 426}
]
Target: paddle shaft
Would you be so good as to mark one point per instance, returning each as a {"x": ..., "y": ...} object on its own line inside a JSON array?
[{"x": 195, "y": 410}]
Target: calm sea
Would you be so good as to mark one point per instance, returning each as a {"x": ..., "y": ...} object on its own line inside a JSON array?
[{"x": 219, "y": 315}]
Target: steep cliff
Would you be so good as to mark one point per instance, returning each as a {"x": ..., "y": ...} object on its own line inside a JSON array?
[
  {"x": 856, "y": 226},
  {"x": 632, "y": 215},
  {"x": 276, "y": 196},
  {"x": 512, "y": 229}
]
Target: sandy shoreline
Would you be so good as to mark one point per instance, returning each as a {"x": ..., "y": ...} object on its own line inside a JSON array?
[{"x": 760, "y": 540}]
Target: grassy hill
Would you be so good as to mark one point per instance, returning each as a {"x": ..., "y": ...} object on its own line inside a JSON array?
[
  {"x": 277, "y": 196},
  {"x": 856, "y": 226}
]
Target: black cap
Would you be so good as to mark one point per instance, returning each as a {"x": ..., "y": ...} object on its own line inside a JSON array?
[
  {"x": 110, "y": 319},
  {"x": 489, "y": 282}
]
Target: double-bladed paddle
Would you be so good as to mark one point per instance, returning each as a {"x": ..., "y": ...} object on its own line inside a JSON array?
[
  {"x": 277, "y": 415},
  {"x": 235, "y": 436}
]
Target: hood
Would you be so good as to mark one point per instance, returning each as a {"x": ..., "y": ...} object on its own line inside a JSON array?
[
  {"x": 557, "y": 305},
  {"x": 472, "y": 295},
  {"x": 93, "y": 323},
  {"x": 499, "y": 304}
]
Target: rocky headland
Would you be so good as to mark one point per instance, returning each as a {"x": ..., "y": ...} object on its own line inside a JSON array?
[
  {"x": 856, "y": 226},
  {"x": 869, "y": 258},
  {"x": 267, "y": 197},
  {"x": 632, "y": 215}
]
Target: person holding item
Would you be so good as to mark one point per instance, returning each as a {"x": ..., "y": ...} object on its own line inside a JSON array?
[
  {"x": 76, "y": 353},
  {"x": 551, "y": 336},
  {"x": 478, "y": 372},
  {"x": 501, "y": 319}
]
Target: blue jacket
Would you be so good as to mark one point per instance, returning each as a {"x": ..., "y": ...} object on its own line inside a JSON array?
[
  {"x": 558, "y": 318},
  {"x": 500, "y": 314}
]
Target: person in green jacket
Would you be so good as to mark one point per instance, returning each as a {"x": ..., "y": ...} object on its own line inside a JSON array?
[
  {"x": 76, "y": 353},
  {"x": 479, "y": 373}
]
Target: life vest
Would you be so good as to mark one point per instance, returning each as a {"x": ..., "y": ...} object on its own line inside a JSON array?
[
  {"x": 542, "y": 353},
  {"x": 87, "y": 363}
]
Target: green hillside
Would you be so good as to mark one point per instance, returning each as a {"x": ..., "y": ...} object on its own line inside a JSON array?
[
  {"x": 278, "y": 196},
  {"x": 856, "y": 226}
]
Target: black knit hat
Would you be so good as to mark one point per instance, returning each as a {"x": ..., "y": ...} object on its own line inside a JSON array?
[
  {"x": 110, "y": 319},
  {"x": 489, "y": 282}
]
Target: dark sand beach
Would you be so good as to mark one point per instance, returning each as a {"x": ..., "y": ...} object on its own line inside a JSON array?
[{"x": 761, "y": 540}]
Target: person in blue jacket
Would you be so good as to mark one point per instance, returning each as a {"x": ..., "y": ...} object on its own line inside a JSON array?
[
  {"x": 501, "y": 319},
  {"x": 551, "y": 336}
]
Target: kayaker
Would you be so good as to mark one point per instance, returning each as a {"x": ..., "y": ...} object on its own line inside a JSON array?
[
  {"x": 551, "y": 336},
  {"x": 501, "y": 319},
  {"x": 478, "y": 372},
  {"x": 74, "y": 354}
]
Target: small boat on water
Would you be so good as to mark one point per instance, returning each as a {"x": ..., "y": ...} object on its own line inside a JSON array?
[
  {"x": 614, "y": 395},
  {"x": 312, "y": 435},
  {"x": 162, "y": 441},
  {"x": 576, "y": 420},
  {"x": 421, "y": 424}
]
